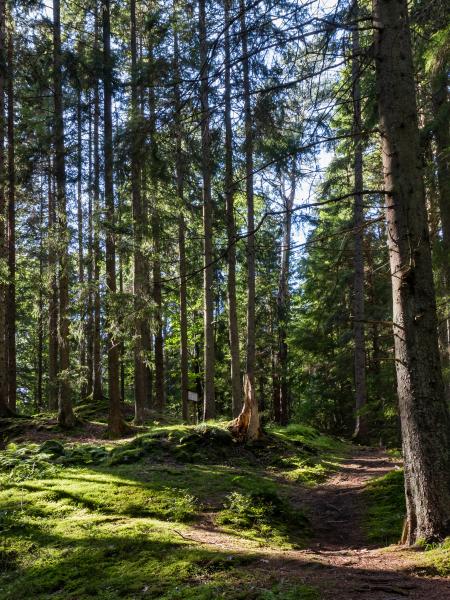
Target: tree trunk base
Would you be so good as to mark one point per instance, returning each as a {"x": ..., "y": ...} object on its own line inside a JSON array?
[
  {"x": 6, "y": 412},
  {"x": 246, "y": 427}
]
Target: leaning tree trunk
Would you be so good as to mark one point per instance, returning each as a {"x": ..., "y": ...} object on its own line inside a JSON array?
[
  {"x": 116, "y": 424},
  {"x": 66, "y": 417},
  {"x": 209, "y": 402},
  {"x": 247, "y": 423},
  {"x": 236, "y": 390},
  {"x": 359, "y": 357},
  {"x": 424, "y": 412}
]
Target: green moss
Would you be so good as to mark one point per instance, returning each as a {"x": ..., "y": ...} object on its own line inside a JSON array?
[
  {"x": 265, "y": 516},
  {"x": 386, "y": 510},
  {"x": 104, "y": 521}
]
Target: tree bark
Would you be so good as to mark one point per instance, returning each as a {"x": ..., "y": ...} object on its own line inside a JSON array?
[
  {"x": 441, "y": 111},
  {"x": 97, "y": 255},
  {"x": 38, "y": 395},
  {"x": 4, "y": 408},
  {"x": 116, "y": 424},
  {"x": 11, "y": 293},
  {"x": 160, "y": 397},
  {"x": 80, "y": 239},
  {"x": 424, "y": 412},
  {"x": 247, "y": 425},
  {"x": 184, "y": 357},
  {"x": 282, "y": 389},
  {"x": 359, "y": 356},
  {"x": 66, "y": 417},
  {"x": 52, "y": 295},
  {"x": 138, "y": 263},
  {"x": 209, "y": 402},
  {"x": 90, "y": 266},
  {"x": 236, "y": 390}
]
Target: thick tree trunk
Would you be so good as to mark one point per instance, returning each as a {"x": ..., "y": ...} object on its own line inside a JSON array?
[
  {"x": 236, "y": 390},
  {"x": 116, "y": 424},
  {"x": 184, "y": 356},
  {"x": 11, "y": 293},
  {"x": 424, "y": 412},
  {"x": 359, "y": 356},
  {"x": 66, "y": 417},
  {"x": 209, "y": 402}
]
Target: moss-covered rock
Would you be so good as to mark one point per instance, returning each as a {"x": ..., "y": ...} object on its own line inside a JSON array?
[{"x": 121, "y": 456}]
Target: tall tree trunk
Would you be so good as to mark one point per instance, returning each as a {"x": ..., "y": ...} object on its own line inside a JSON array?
[
  {"x": 66, "y": 417},
  {"x": 209, "y": 402},
  {"x": 116, "y": 424},
  {"x": 359, "y": 355},
  {"x": 97, "y": 255},
  {"x": 89, "y": 260},
  {"x": 52, "y": 295},
  {"x": 138, "y": 262},
  {"x": 247, "y": 424},
  {"x": 160, "y": 400},
  {"x": 184, "y": 365},
  {"x": 11, "y": 299},
  {"x": 121, "y": 343},
  {"x": 184, "y": 358},
  {"x": 159, "y": 387},
  {"x": 82, "y": 295},
  {"x": 441, "y": 111},
  {"x": 38, "y": 396},
  {"x": 282, "y": 399},
  {"x": 146, "y": 339},
  {"x": 424, "y": 414},
  {"x": 236, "y": 390},
  {"x": 4, "y": 408}
]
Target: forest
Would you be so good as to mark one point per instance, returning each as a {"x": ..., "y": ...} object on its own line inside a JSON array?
[{"x": 225, "y": 299}]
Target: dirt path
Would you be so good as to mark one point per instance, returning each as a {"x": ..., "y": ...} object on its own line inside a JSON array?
[{"x": 338, "y": 561}]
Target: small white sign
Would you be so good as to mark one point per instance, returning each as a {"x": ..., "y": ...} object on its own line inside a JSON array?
[{"x": 193, "y": 396}]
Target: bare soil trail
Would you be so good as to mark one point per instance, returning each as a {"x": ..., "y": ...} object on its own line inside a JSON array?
[{"x": 339, "y": 561}]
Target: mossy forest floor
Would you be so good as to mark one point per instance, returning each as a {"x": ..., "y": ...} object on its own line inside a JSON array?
[{"x": 177, "y": 512}]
